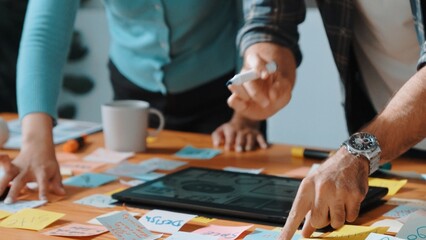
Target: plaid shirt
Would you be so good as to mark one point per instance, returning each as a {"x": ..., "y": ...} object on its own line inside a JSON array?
[{"x": 277, "y": 20}]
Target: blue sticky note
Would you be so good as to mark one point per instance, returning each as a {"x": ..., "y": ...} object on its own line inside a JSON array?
[
  {"x": 414, "y": 228},
  {"x": 197, "y": 153},
  {"x": 89, "y": 180},
  {"x": 401, "y": 211},
  {"x": 263, "y": 234}
]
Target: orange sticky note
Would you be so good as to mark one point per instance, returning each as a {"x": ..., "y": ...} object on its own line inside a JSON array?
[{"x": 33, "y": 219}]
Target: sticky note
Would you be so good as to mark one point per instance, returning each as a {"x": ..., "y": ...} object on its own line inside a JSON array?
[
  {"x": 130, "y": 169},
  {"x": 89, "y": 180},
  {"x": 19, "y": 205},
  {"x": 64, "y": 157},
  {"x": 108, "y": 156},
  {"x": 414, "y": 228},
  {"x": 78, "y": 167},
  {"x": 420, "y": 212},
  {"x": 188, "y": 235},
  {"x": 4, "y": 214},
  {"x": 131, "y": 183},
  {"x": 203, "y": 219},
  {"x": 77, "y": 230},
  {"x": 400, "y": 211},
  {"x": 191, "y": 152},
  {"x": 355, "y": 232},
  {"x": 97, "y": 200},
  {"x": 33, "y": 219},
  {"x": 244, "y": 170},
  {"x": 125, "y": 227},
  {"x": 163, "y": 164},
  {"x": 376, "y": 236},
  {"x": 115, "y": 191},
  {"x": 96, "y": 222},
  {"x": 392, "y": 224},
  {"x": 262, "y": 234},
  {"x": 148, "y": 176},
  {"x": 223, "y": 232},
  {"x": 164, "y": 221},
  {"x": 392, "y": 185}
]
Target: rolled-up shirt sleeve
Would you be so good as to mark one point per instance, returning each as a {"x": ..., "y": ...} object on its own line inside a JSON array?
[{"x": 273, "y": 21}]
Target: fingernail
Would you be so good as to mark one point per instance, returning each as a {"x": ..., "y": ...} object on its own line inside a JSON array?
[
  {"x": 215, "y": 143},
  {"x": 239, "y": 149},
  {"x": 8, "y": 200},
  {"x": 62, "y": 191},
  {"x": 248, "y": 148},
  {"x": 264, "y": 74},
  {"x": 43, "y": 197}
]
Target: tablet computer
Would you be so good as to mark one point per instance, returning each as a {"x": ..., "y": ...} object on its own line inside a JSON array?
[{"x": 263, "y": 198}]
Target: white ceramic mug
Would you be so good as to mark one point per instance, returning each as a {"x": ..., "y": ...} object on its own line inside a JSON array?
[{"x": 125, "y": 125}]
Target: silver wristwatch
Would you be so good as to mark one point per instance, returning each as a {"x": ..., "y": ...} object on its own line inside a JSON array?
[{"x": 364, "y": 144}]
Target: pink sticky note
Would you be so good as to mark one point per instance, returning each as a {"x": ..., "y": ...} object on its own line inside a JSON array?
[
  {"x": 77, "y": 230},
  {"x": 224, "y": 232}
]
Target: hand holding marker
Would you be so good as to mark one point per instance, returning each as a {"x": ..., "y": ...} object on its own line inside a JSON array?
[{"x": 250, "y": 75}]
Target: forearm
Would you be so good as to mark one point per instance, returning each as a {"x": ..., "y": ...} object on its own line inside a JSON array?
[
  {"x": 42, "y": 55},
  {"x": 402, "y": 124}
]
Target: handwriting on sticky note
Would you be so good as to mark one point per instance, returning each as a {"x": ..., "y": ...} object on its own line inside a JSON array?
[
  {"x": 165, "y": 221},
  {"x": 191, "y": 152},
  {"x": 355, "y": 232},
  {"x": 33, "y": 219},
  {"x": 97, "y": 200},
  {"x": 224, "y": 232},
  {"x": 376, "y": 236},
  {"x": 401, "y": 211},
  {"x": 188, "y": 235},
  {"x": 89, "y": 180},
  {"x": 19, "y": 205},
  {"x": 125, "y": 227},
  {"x": 414, "y": 228},
  {"x": 96, "y": 222},
  {"x": 392, "y": 185},
  {"x": 76, "y": 230}
]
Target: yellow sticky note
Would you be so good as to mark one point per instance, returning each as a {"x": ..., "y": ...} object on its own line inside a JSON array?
[
  {"x": 115, "y": 191},
  {"x": 33, "y": 219},
  {"x": 392, "y": 185},
  {"x": 354, "y": 232},
  {"x": 203, "y": 219},
  {"x": 4, "y": 214}
]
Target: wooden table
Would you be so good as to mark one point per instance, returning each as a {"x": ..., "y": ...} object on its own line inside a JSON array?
[{"x": 276, "y": 160}]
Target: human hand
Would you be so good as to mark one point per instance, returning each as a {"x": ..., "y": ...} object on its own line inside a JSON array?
[
  {"x": 36, "y": 161},
  {"x": 262, "y": 98},
  {"x": 331, "y": 195},
  {"x": 240, "y": 134}
]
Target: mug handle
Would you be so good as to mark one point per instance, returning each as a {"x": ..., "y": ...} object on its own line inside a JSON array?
[{"x": 160, "y": 126}]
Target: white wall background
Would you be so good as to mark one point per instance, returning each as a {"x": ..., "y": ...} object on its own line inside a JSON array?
[{"x": 314, "y": 116}]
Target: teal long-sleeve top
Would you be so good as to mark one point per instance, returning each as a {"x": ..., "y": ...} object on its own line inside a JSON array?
[{"x": 162, "y": 46}]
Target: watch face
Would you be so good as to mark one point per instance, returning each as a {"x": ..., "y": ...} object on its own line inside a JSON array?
[{"x": 363, "y": 141}]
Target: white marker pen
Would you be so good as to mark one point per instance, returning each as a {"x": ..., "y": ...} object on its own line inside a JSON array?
[{"x": 250, "y": 75}]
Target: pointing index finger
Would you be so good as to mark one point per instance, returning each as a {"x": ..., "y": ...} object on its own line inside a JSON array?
[{"x": 301, "y": 206}]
